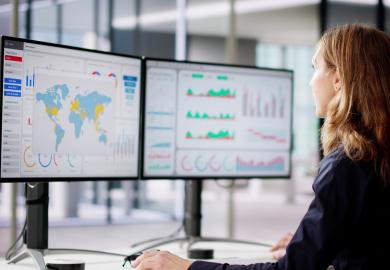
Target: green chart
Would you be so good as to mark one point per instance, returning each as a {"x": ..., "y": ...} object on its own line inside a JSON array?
[
  {"x": 221, "y": 135},
  {"x": 221, "y": 116},
  {"x": 212, "y": 93}
]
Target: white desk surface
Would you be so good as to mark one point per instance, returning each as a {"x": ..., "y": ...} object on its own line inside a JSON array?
[{"x": 223, "y": 252}]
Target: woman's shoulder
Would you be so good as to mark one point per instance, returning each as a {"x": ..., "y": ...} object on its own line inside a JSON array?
[
  {"x": 338, "y": 169},
  {"x": 335, "y": 161}
]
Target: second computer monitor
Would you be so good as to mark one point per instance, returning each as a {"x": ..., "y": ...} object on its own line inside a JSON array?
[{"x": 216, "y": 121}]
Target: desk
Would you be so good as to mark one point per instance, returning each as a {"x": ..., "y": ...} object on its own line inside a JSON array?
[{"x": 222, "y": 252}]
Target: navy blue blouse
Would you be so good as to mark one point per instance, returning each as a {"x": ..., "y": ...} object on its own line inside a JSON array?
[{"x": 347, "y": 224}]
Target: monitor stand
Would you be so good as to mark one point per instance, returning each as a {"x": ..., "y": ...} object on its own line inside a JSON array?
[
  {"x": 35, "y": 238},
  {"x": 192, "y": 223}
]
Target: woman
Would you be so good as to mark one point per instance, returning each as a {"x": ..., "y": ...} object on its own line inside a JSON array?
[{"x": 347, "y": 224}]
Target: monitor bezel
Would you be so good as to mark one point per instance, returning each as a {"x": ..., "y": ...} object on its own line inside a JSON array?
[
  {"x": 71, "y": 178},
  {"x": 207, "y": 177}
]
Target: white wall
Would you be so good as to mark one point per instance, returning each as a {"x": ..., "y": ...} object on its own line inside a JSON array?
[{"x": 212, "y": 49}]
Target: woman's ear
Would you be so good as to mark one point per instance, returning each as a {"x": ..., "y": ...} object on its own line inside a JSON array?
[{"x": 336, "y": 80}]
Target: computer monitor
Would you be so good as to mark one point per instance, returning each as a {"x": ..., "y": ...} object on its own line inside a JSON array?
[
  {"x": 216, "y": 121},
  {"x": 68, "y": 113}
]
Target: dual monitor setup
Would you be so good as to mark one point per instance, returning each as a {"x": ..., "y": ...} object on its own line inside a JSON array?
[{"x": 72, "y": 114}]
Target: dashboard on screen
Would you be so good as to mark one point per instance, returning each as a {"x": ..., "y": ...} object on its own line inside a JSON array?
[
  {"x": 68, "y": 112},
  {"x": 204, "y": 120}
]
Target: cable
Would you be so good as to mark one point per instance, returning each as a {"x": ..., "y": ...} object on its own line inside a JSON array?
[
  {"x": 88, "y": 251},
  {"x": 12, "y": 250}
]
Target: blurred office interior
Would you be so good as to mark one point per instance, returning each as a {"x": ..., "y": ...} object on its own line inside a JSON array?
[{"x": 265, "y": 33}]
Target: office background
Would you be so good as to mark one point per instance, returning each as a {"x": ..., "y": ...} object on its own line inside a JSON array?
[{"x": 278, "y": 34}]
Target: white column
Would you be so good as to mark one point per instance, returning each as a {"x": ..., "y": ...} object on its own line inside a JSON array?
[
  {"x": 58, "y": 194},
  {"x": 64, "y": 198},
  {"x": 15, "y": 18},
  {"x": 180, "y": 54},
  {"x": 181, "y": 30},
  {"x": 231, "y": 39},
  {"x": 231, "y": 57}
]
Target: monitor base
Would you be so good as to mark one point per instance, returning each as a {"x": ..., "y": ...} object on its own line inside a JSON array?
[{"x": 35, "y": 254}]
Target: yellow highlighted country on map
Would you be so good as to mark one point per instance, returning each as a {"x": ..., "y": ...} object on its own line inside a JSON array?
[
  {"x": 74, "y": 106},
  {"x": 99, "y": 108},
  {"x": 52, "y": 111}
]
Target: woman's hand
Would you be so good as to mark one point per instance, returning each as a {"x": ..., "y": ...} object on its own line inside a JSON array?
[
  {"x": 160, "y": 260},
  {"x": 279, "y": 249}
]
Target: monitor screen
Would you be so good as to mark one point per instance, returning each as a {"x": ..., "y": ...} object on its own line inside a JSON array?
[
  {"x": 68, "y": 112},
  {"x": 216, "y": 121}
]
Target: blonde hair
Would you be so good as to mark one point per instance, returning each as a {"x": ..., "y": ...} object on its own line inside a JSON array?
[{"x": 358, "y": 117}]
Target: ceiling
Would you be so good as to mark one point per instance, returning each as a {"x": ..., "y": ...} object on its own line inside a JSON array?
[{"x": 279, "y": 21}]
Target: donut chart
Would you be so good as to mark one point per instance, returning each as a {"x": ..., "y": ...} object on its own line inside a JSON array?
[
  {"x": 45, "y": 160},
  {"x": 71, "y": 160},
  {"x": 185, "y": 164},
  {"x": 28, "y": 158},
  {"x": 57, "y": 160}
]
